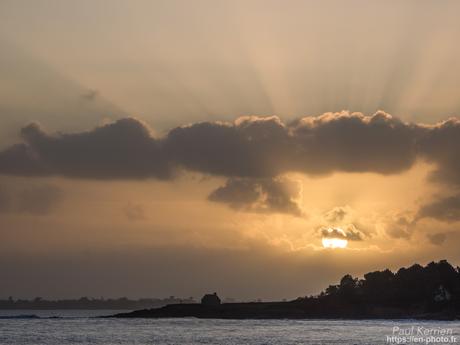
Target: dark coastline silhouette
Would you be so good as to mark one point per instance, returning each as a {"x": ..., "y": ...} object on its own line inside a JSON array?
[
  {"x": 92, "y": 303},
  {"x": 430, "y": 292}
]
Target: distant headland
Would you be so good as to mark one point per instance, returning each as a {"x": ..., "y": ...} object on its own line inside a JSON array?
[
  {"x": 121, "y": 303},
  {"x": 416, "y": 292}
]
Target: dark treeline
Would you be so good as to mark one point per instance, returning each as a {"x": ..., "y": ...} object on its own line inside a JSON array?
[
  {"x": 418, "y": 289},
  {"x": 92, "y": 303}
]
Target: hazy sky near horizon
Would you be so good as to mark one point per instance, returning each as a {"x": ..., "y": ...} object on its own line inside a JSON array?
[{"x": 157, "y": 148}]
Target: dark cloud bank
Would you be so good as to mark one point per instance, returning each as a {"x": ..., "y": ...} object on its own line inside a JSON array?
[{"x": 252, "y": 153}]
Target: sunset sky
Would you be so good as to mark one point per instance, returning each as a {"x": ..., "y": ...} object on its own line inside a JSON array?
[{"x": 157, "y": 148}]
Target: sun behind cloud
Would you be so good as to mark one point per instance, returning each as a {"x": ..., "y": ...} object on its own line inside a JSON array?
[{"x": 334, "y": 238}]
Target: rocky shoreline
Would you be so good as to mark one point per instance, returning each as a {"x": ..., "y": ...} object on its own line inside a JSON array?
[{"x": 283, "y": 310}]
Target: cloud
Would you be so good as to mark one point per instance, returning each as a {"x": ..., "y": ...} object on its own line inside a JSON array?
[
  {"x": 446, "y": 209},
  {"x": 120, "y": 150},
  {"x": 437, "y": 239},
  {"x": 277, "y": 195},
  {"x": 20, "y": 160},
  {"x": 440, "y": 144},
  {"x": 337, "y": 214},
  {"x": 250, "y": 147},
  {"x": 353, "y": 234},
  {"x": 354, "y": 143},
  {"x": 400, "y": 227},
  {"x": 32, "y": 199},
  {"x": 257, "y": 147},
  {"x": 350, "y": 233}
]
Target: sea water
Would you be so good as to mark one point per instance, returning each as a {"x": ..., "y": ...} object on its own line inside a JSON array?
[{"x": 21, "y": 327}]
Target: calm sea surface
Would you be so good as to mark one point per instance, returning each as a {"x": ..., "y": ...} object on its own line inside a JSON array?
[{"x": 20, "y": 327}]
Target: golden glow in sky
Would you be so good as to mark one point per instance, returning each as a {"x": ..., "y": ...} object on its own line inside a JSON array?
[
  {"x": 334, "y": 243},
  {"x": 205, "y": 156}
]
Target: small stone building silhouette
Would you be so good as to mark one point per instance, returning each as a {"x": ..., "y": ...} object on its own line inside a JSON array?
[{"x": 210, "y": 299}]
